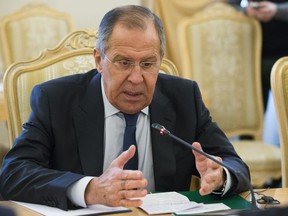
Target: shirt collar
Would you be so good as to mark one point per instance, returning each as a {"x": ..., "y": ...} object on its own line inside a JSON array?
[{"x": 110, "y": 109}]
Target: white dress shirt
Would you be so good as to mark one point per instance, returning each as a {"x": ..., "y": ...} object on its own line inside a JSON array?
[{"x": 114, "y": 127}]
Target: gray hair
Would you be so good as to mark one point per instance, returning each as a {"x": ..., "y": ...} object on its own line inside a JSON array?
[{"x": 131, "y": 16}]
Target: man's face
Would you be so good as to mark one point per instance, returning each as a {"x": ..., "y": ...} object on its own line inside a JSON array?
[{"x": 130, "y": 90}]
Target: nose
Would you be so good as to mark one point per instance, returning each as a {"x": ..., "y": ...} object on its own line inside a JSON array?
[{"x": 136, "y": 75}]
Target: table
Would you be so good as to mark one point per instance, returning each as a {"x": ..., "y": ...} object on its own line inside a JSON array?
[{"x": 280, "y": 194}]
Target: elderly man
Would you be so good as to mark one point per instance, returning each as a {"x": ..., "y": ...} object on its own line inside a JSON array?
[{"x": 71, "y": 152}]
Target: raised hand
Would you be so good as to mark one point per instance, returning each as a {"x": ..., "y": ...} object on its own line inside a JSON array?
[{"x": 211, "y": 173}]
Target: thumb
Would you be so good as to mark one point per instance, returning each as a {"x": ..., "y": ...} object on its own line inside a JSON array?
[
  {"x": 198, "y": 156},
  {"x": 124, "y": 157}
]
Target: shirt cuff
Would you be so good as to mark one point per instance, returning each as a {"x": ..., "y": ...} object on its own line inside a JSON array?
[
  {"x": 226, "y": 186},
  {"x": 228, "y": 181},
  {"x": 76, "y": 191}
]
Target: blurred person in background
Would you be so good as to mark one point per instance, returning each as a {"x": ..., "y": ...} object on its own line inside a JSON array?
[{"x": 273, "y": 17}]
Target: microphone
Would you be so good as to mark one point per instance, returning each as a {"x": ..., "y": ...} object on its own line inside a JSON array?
[{"x": 164, "y": 131}]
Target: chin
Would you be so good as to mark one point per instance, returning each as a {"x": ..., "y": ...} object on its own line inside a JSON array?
[{"x": 132, "y": 110}]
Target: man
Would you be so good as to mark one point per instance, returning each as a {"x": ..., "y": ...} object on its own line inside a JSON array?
[{"x": 70, "y": 152}]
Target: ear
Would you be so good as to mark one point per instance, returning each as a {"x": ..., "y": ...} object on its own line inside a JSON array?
[{"x": 98, "y": 59}]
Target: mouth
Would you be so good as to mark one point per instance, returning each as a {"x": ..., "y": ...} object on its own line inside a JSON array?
[{"x": 133, "y": 96}]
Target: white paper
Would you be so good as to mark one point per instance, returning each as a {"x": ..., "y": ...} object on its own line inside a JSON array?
[
  {"x": 92, "y": 209},
  {"x": 173, "y": 202},
  {"x": 204, "y": 208},
  {"x": 168, "y": 202},
  {"x": 164, "y": 198},
  {"x": 164, "y": 208}
]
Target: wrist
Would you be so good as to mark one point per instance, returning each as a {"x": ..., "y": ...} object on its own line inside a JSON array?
[{"x": 223, "y": 187}]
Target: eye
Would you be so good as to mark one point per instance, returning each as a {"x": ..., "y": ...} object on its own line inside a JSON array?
[
  {"x": 124, "y": 63},
  {"x": 147, "y": 65}
]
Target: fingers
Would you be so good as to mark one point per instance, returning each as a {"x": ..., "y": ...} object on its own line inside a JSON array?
[
  {"x": 198, "y": 146},
  {"x": 123, "y": 158},
  {"x": 212, "y": 181},
  {"x": 130, "y": 191},
  {"x": 208, "y": 185},
  {"x": 127, "y": 193},
  {"x": 130, "y": 174},
  {"x": 127, "y": 197},
  {"x": 130, "y": 203},
  {"x": 214, "y": 165},
  {"x": 132, "y": 184},
  {"x": 131, "y": 194},
  {"x": 211, "y": 173},
  {"x": 198, "y": 156},
  {"x": 117, "y": 187},
  {"x": 264, "y": 12}
]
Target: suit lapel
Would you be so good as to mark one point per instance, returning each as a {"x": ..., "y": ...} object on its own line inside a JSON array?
[
  {"x": 89, "y": 124},
  {"x": 162, "y": 146}
]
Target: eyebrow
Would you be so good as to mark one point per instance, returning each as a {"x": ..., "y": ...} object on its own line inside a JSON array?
[{"x": 145, "y": 59}]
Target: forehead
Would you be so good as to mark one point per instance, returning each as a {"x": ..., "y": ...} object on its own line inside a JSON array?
[{"x": 137, "y": 39}]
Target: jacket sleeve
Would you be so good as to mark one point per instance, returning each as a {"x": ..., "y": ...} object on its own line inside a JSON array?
[
  {"x": 26, "y": 174},
  {"x": 215, "y": 142}
]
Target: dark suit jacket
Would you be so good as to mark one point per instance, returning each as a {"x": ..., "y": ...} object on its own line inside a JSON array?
[
  {"x": 5, "y": 211},
  {"x": 63, "y": 139}
]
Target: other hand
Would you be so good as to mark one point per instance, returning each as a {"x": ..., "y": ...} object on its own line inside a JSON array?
[
  {"x": 211, "y": 173},
  {"x": 264, "y": 12}
]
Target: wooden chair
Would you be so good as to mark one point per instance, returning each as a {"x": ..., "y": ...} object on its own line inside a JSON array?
[
  {"x": 1, "y": 62},
  {"x": 279, "y": 86},
  {"x": 25, "y": 33},
  {"x": 73, "y": 55},
  {"x": 168, "y": 67},
  {"x": 221, "y": 49},
  {"x": 2, "y": 103}
]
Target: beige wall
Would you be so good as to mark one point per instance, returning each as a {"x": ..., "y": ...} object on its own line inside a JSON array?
[{"x": 85, "y": 13}]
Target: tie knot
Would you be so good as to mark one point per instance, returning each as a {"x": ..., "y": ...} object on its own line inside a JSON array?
[{"x": 131, "y": 119}]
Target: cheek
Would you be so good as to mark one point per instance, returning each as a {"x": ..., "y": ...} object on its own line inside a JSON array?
[
  {"x": 151, "y": 86},
  {"x": 112, "y": 85}
]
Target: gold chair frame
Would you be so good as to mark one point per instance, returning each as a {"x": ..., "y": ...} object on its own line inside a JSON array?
[
  {"x": 75, "y": 44},
  {"x": 279, "y": 86}
]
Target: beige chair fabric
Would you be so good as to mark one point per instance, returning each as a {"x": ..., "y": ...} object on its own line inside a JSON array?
[
  {"x": 171, "y": 12},
  {"x": 279, "y": 85},
  {"x": 72, "y": 56},
  {"x": 25, "y": 33},
  {"x": 221, "y": 50}
]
